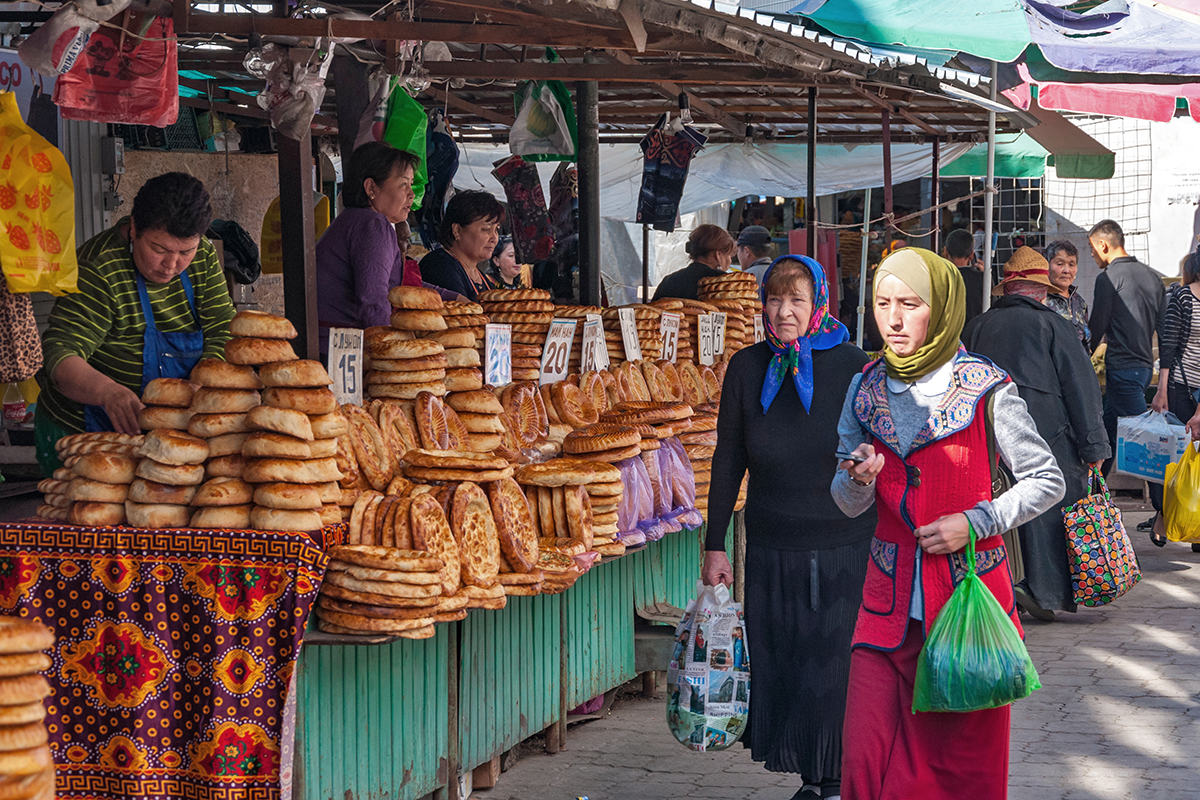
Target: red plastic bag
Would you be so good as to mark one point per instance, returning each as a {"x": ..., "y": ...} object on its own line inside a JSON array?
[{"x": 135, "y": 82}]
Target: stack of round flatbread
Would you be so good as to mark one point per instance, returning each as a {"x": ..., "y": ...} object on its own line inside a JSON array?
[
  {"x": 700, "y": 442},
  {"x": 529, "y": 312},
  {"x": 559, "y": 511},
  {"x": 455, "y": 466},
  {"x": 259, "y": 338},
  {"x": 25, "y": 760},
  {"x": 399, "y": 365},
  {"x": 649, "y": 331},
  {"x": 108, "y": 461},
  {"x": 167, "y": 404},
  {"x": 56, "y": 505},
  {"x": 163, "y": 481},
  {"x": 463, "y": 341},
  {"x": 385, "y": 590},
  {"x": 482, "y": 415},
  {"x": 736, "y": 294},
  {"x": 685, "y": 344}
]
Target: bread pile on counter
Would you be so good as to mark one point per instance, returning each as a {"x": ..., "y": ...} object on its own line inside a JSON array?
[
  {"x": 530, "y": 312},
  {"x": 26, "y": 763},
  {"x": 736, "y": 294},
  {"x": 92, "y": 487}
]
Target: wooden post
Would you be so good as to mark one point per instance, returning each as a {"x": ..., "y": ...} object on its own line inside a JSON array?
[
  {"x": 887, "y": 166},
  {"x": 588, "y": 109},
  {"x": 935, "y": 195},
  {"x": 810, "y": 204},
  {"x": 645, "y": 263},
  {"x": 299, "y": 245},
  {"x": 453, "y": 757},
  {"x": 349, "y": 75}
]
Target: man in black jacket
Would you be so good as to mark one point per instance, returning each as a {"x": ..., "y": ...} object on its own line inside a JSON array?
[{"x": 1040, "y": 351}]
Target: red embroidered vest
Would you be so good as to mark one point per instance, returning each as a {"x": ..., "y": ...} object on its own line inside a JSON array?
[{"x": 945, "y": 472}]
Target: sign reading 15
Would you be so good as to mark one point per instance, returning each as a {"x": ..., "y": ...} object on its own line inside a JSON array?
[{"x": 346, "y": 366}]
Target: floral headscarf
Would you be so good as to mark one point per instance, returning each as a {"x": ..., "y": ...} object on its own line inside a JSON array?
[{"x": 795, "y": 357}]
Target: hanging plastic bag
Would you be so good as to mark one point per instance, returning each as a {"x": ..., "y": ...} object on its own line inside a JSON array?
[
  {"x": 37, "y": 209},
  {"x": 295, "y": 89},
  {"x": 374, "y": 118},
  {"x": 1147, "y": 443},
  {"x": 973, "y": 657},
  {"x": 545, "y": 128},
  {"x": 1181, "y": 497},
  {"x": 406, "y": 130},
  {"x": 54, "y": 47},
  {"x": 708, "y": 679}
]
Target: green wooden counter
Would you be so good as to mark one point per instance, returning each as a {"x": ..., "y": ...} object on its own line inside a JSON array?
[{"x": 376, "y": 722}]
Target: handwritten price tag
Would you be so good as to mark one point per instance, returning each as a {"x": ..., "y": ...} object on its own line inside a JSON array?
[
  {"x": 760, "y": 331},
  {"x": 556, "y": 352},
  {"x": 629, "y": 334},
  {"x": 669, "y": 328},
  {"x": 595, "y": 348},
  {"x": 497, "y": 348},
  {"x": 704, "y": 337},
  {"x": 346, "y": 364},
  {"x": 718, "y": 333}
]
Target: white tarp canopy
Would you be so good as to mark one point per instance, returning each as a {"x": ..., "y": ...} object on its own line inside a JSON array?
[{"x": 718, "y": 174}]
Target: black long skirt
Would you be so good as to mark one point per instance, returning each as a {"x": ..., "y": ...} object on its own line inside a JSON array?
[{"x": 801, "y": 606}]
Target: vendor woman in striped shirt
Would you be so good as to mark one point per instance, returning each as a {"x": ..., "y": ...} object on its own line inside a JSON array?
[{"x": 152, "y": 301}]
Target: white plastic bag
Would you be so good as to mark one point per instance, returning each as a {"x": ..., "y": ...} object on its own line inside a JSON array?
[
  {"x": 295, "y": 89},
  {"x": 708, "y": 679},
  {"x": 1147, "y": 443},
  {"x": 541, "y": 125}
]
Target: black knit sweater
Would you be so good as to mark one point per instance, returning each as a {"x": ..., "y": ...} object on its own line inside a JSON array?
[{"x": 789, "y": 453}]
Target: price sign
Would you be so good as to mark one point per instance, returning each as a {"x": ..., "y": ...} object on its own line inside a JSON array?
[
  {"x": 704, "y": 337},
  {"x": 556, "y": 352},
  {"x": 346, "y": 364},
  {"x": 669, "y": 328},
  {"x": 629, "y": 334},
  {"x": 595, "y": 348},
  {"x": 718, "y": 333},
  {"x": 760, "y": 331},
  {"x": 497, "y": 349}
]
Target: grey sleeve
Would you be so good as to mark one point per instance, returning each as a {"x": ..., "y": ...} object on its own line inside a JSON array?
[
  {"x": 1039, "y": 482},
  {"x": 851, "y": 498}
]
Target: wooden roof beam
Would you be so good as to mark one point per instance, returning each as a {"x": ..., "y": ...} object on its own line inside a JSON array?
[
  {"x": 672, "y": 91},
  {"x": 731, "y": 75},
  {"x": 878, "y": 101},
  {"x": 454, "y": 101}
]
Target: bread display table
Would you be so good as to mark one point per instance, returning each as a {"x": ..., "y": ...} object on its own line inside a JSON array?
[{"x": 173, "y": 656}]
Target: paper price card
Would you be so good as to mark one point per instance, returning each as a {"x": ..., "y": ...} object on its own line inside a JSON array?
[
  {"x": 497, "y": 348},
  {"x": 718, "y": 332},
  {"x": 669, "y": 328},
  {"x": 760, "y": 331},
  {"x": 704, "y": 336},
  {"x": 346, "y": 364},
  {"x": 595, "y": 348},
  {"x": 556, "y": 352},
  {"x": 629, "y": 334}
]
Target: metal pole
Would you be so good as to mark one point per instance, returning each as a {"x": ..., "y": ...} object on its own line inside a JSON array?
[
  {"x": 810, "y": 204},
  {"x": 987, "y": 199},
  {"x": 586, "y": 100},
  {"x": 645, "y": 263},
  {"x": 935, "y": 194},
  {"x": 299, "y": 245},
  {"x": 862, "y": 271},
  {"x": 887, "y": 164}
]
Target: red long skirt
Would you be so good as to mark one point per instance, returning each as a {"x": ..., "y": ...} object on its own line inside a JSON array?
[{"x": 891, "y": 753}]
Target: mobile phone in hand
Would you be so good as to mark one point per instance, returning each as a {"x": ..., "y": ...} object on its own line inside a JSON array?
[{"x": 855, "y": 457}]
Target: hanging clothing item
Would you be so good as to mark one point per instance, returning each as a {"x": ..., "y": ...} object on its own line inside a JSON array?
[
  {"x": 530, "y": 223},
  {"x": 668, "y": 153},
  {"x": 564, "y": 201},
  {"x": 441, "y": 162},
  {"x": 21, "y": 347}
]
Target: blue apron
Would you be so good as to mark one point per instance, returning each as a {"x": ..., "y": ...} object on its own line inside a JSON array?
[{"x": 164, "y": 355}]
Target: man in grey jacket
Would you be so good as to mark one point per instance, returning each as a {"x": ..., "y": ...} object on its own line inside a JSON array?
[{"x": 754, "y": 250}]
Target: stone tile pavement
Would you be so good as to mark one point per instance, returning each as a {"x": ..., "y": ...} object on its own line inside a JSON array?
[{"x": 1118, "y": 717}]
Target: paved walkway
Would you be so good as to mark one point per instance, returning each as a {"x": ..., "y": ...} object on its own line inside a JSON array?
[{"x": 1118, "y": 717}]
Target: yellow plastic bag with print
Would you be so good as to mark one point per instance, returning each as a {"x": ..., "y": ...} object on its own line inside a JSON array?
[
  {"x": 1181, "y": 497},
  {"x": 37, "y": 209}
]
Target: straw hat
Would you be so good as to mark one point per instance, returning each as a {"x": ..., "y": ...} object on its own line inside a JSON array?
[{"x": 1026, "y": 264}]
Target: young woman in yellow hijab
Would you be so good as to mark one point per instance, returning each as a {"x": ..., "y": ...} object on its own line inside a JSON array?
[{"x": 918, "y": 418}]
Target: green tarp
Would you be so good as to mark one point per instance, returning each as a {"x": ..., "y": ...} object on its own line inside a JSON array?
[{"x": 1019, "y": 157}]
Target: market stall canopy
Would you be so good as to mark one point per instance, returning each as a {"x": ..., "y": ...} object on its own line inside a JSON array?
[
  {"x": 1017, "y": 156},
  {"x": 725, "y": 172}
]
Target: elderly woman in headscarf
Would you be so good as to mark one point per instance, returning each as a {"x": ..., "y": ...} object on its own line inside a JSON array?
[
  {"x": 805, "y": 559},
  {"x": 921, "y": 418}
]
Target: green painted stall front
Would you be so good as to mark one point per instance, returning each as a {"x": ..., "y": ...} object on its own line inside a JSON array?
[{"x": 373, "y": 722}]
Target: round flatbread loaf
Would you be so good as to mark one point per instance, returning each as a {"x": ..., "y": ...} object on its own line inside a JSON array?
[
  {"x": 415, "y": 297},
  {"x": 236, "y": 518},
  {"x": 416, "y": 376},
  {"x": 463, "y": 357},
  {"x": 106, "y": 467},
  {"x": 20, "y": 635},
  {"x": 22, "y": 714},
  {"x": 385, "y": 588},
  {"x": 287, "y": 495},
  {"x": 31, "y": 761},
  {"x": 565, "y": 471},
  {"x": 281, "y": 420},
  {"x": 405, "y": 349},
  {"x": 514, "y": 524},
  {"x": 479, "y": 401},
  {"x": 385, "y": 558},
  {"x": 174, "y": 392},
  {"x": 157, "y": 515},
  {"x": 333, "y": 620},
  {"x": 429, "y": 578},
  {"x": 222, "y": 492},
  {"x": 144, "y": 491},
  {"x": 481, "y": 423},
  {"x": 174, "y": 447},
  {"x": 407, "y": 320},
  {"x": 24, "y": 664},
  {"x": 258, "y": 351},
  {"x": 224, "y": 401},
  {"x": 464, "y": 379},
  {"x": 83, "y": 489},
  {"x": 370, "y": 451},
  {"x": 173, "y": 474},
  {"x": 406, "y": 391},
  {"x": 431, "y": 533},
  {"x": 288, "y": 470},
  {"x": 276, "y": 519},
  {"x": 418, "y": 364},
  {"x": 457, "y": 475},
  {"x": 303, "y": 373},
  {"x": 472, "y": 524},
  {"x": 309, "y": 401},
  {"x": 599, "y": 437},
  {"x": 269, "y": 444},
  {"x": 222, "y": 375},
  {"x": 261, "y": 325},
  {"x": 452, "y": 337},
  {"x": 454, "y": 459},
  {"x": 153, "y": 417},
  {"x": 226, "y": 466},
  {"x": 328, "y": 426},
  {"x": 207, "y": 426},
  {"x": 227, "y": 444}
]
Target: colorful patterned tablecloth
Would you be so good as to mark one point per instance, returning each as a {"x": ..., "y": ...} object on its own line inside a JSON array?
[{"x": 174, "y": 653}]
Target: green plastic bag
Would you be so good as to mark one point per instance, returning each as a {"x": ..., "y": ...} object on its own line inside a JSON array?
[
  {"x": 973, "y": 658},
  {"x": 405, "y": 130}
]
